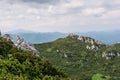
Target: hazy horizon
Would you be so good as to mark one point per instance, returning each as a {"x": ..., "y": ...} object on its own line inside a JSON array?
[
  {"x": 60, "y": 16},
  {"x": 30, "y": 31}
]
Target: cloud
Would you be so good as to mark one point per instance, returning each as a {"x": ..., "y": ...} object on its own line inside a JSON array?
[
  {"x": 59, "y": 15},
  {"x": 41, "y": 1},
  {"x": 94, "y": 11},
  {"x": 66, "y": 7},
  {"x": 6, "y": 23}
]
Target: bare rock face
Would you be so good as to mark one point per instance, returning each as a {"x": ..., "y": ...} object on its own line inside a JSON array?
[
  {"x": 93, "y": 44},
  {"x": 110, "y": 55},
  {"x": 8, "y": 37},
  {"x": 89, "y": 40},
  {"x": 85, "y": 39},
  {"x": 93, "y": 47},
  {"x": 21, "y": 44}
]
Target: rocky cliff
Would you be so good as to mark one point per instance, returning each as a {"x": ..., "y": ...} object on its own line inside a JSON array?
[{"x": 20, "y": 43}]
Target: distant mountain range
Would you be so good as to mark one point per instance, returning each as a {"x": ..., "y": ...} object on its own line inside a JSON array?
[
  {"x": 39, "y": 37},
  {"x": 109, "y": 37}
]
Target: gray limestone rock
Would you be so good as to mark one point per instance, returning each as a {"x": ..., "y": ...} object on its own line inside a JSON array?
[
  {"x": 22, "y": 44},
  {"x": 8, "y": 37}
]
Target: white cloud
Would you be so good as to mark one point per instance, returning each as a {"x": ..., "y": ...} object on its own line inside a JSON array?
[
  {"x": 64, "y": 15},
  {"x": 73, "y": 4},
  {"x": 93, "y": 11},
  {"x": 6, "y": 23},
  {"x": 65, "y": 7},
  {"x": 112, "y": 14}
]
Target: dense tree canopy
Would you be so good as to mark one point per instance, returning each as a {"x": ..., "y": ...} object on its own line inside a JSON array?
[
  {"x": 80, "y": 63},
  {"x": 16, "y": 64}
]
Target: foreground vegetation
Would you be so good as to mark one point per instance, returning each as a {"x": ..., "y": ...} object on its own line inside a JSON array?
[{"x": 16, "y": 64}]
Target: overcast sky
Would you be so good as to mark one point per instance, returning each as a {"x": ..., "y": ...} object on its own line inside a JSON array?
[{"x": 60, "y": 15}]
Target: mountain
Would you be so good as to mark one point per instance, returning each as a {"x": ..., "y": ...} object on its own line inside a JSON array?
[
  {"x": 18, "y": 64},
  {"x": 107, "y": 37},
  {"x": 83, "y": 58},
  {"x": 74, "y": 56},
  {"x": 39, "y": 37}
]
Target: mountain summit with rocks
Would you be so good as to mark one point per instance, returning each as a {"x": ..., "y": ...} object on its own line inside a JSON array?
[{"x": 20, "y": 43}]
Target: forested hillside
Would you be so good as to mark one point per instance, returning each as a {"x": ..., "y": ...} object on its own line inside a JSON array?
[
  {"x": 83, "y": 58},
  {"x": 75, "y": 57},
  {"x": 16, "y": 64}
]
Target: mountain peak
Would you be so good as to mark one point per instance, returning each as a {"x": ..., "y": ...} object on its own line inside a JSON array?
[
  {"x": 20, "y": 43},
  {"x": 85, "y": 39}
]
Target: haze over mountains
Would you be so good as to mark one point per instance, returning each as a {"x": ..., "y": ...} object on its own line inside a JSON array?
[{"x": 107, "y": 37}]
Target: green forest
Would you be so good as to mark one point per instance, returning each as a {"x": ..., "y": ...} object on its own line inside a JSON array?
[
  {"x": 80, "y": 63},
  {"x": 63, "y": 59},
  {"x": 16, "y": 64}
]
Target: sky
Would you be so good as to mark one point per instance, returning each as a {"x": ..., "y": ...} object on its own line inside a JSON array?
[{"x": 60, "y": 15}]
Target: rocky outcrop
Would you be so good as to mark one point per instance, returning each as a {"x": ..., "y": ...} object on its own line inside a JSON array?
[
  {"x": 8, "y": 37},
  {"x": 92, "y": 43},
  {"x": 22, "y": 44},
  {"x": 89, "y": 40},
  {"x": 93, "y": 47},
  {"x": 110, "y": 55}
]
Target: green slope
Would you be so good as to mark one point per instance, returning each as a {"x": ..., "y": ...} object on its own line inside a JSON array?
[
  {"x": 16, "y": 64},
  {"x": 80, "y": 63}
]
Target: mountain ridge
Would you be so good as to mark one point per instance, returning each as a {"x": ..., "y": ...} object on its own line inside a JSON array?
[
  {"x": 79, "y": 57},
  {"x": 107, "y": 37},
  {"x": 80, "y": 62},
  {"x": 19, "y": 64}
]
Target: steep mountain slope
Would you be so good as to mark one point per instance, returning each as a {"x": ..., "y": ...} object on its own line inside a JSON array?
[
  {"x": 17, "y": 64},
  {"x": 81, "y": 57}
]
